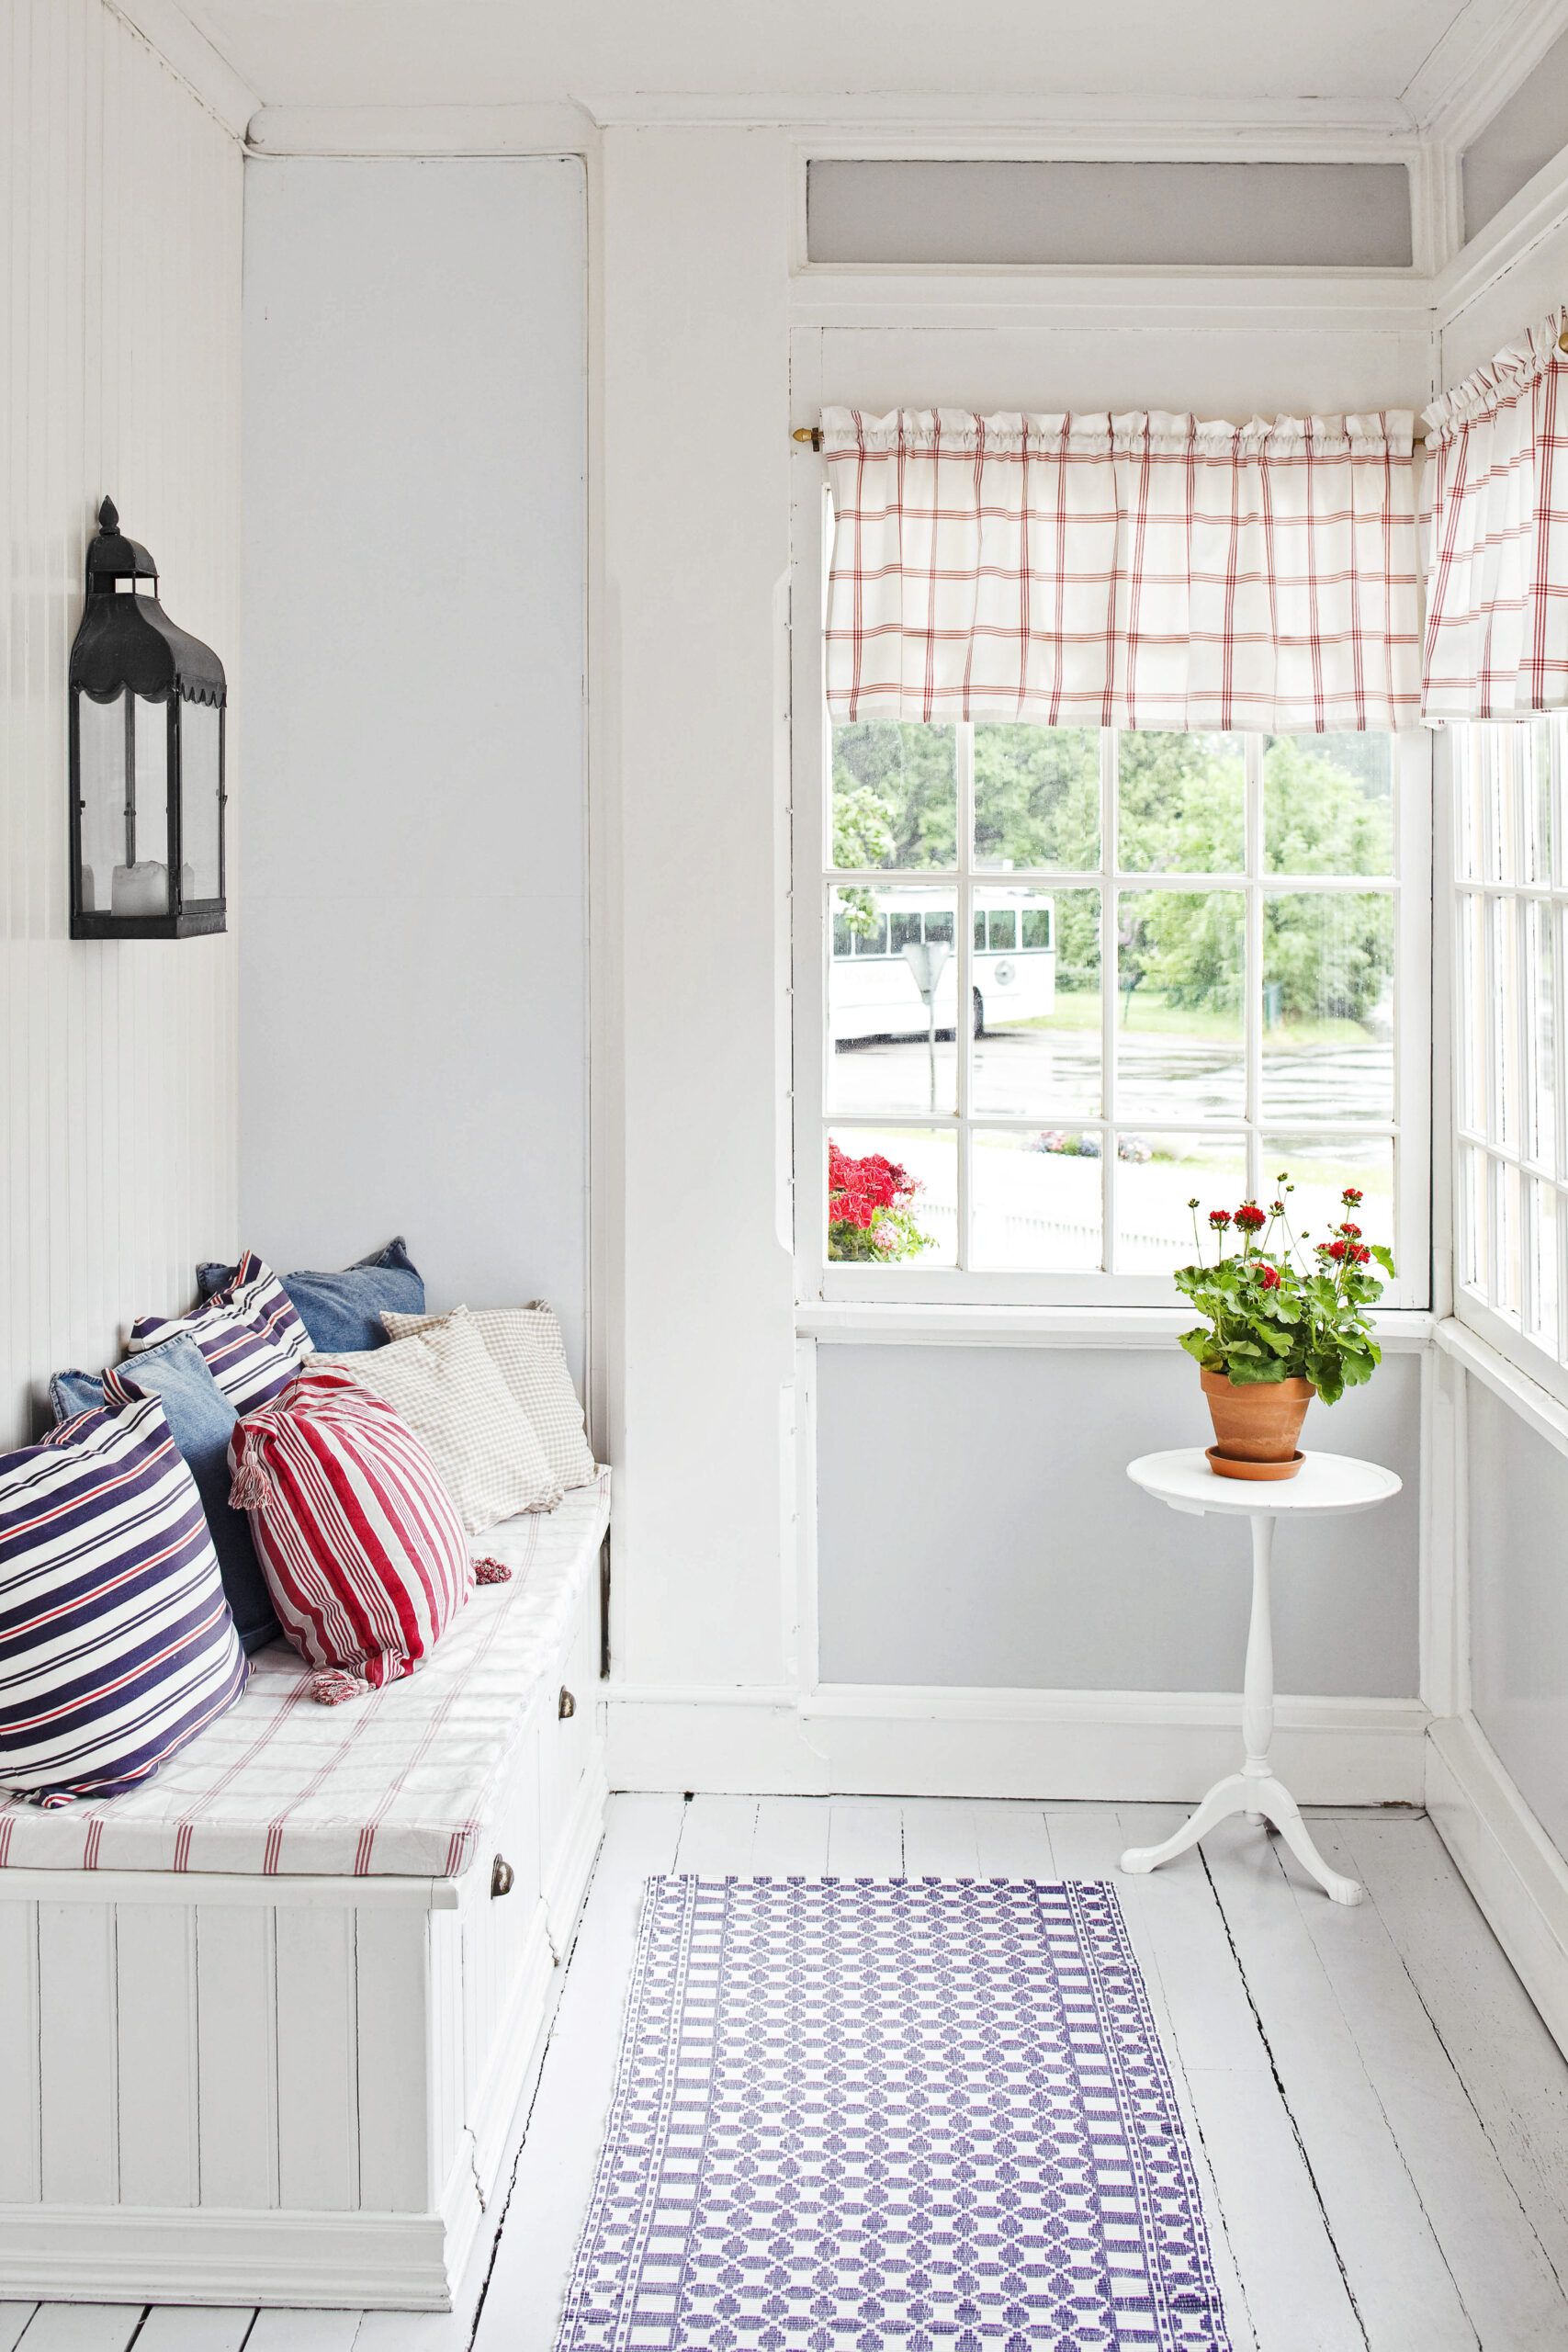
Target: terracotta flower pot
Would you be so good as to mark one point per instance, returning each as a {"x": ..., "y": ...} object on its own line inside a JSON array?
[{"x": 1255, "y": 1425}]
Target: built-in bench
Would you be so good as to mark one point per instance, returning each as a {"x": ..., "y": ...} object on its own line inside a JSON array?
[{"x": 262, "y": 2023}]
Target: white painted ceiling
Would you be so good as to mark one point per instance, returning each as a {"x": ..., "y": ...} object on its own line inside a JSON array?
[{"x": 1405, "y": 53}]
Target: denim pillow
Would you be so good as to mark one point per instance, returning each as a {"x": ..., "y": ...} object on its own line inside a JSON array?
[
  {"x": 200, "y": 1418},
  {"x": 342, "y": 1312}
]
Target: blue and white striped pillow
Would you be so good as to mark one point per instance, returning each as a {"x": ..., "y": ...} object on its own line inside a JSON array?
[
  {"x": 116, "y": 1642},
  {"x": 248, "y": 1333}
]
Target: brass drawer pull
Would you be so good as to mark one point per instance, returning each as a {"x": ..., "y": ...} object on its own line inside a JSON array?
[
  {"x": 567, "y": 1703},
  {"x": 502, "y": 1877}
]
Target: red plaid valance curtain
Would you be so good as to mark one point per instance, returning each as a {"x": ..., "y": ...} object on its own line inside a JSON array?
[
  {"x": 1498, "y": 519},
  {"x": 1147, "y": 572}
]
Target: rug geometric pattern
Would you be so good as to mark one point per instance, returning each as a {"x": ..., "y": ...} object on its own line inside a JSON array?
[{"x": 929, "y": 2114}]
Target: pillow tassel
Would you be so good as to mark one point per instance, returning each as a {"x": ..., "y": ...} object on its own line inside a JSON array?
[
  {"x": 333, "y": 1685},
  {"x": 250, "y": 1486},
  {"x": 491, "y": 1571}
]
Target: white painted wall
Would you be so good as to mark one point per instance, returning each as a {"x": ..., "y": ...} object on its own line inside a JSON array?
[
  {"x": 708, "y": 351},
  {"x": 415, "y": 971},
  {"x": 120, "y": 210},
  {"x": 1518, "y": 1598},
  {"x": 978, "y": 1528}
]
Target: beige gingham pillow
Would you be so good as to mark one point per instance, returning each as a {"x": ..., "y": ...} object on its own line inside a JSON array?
[
  {"x": 443, "y": 1382},
  {"x": 526, "y": 1347}
]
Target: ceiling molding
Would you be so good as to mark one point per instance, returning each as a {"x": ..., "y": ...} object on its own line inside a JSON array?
[
  {"x": 1478, "y": 65},
  {"x": 546, "y": 128},
  {"x": 188, "y": 53},
  {"x": 1179, "y": 125}
]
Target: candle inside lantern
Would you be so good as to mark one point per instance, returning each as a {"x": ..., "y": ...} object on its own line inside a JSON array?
[{"x": 141, "y": 889}]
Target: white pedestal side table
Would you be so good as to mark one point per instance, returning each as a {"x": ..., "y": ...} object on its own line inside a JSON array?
[{"x": 1326, "y": 1482}]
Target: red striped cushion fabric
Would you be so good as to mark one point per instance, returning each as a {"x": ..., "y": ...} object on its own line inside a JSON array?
[
  {"x": 249, "y": 1334},
  {"x": 117, "y": 1647},
  {"x": 362, "y": 1549}
]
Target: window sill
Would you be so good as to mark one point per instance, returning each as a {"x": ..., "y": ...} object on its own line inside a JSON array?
[
  {"x": 907, "y": 1323},
  {"x": 1485, "y": 1361}
]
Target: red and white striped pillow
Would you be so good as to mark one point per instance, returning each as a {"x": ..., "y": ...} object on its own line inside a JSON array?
[{"x": 363, "y": 1552}]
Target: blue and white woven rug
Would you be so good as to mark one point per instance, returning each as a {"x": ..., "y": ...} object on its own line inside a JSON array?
[{"x": 925, "y": 2114}]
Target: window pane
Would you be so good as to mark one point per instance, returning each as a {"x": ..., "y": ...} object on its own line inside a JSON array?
[
  {"x": 1506, "y": 1238},
  {"x": 1328, "y": 803},
  {"x": 1037, "y": 796},
  {"x": 1467, "y": 749},
  {"x": 1496, "y": 783},
  {"x": 1181, "y": 1035},
  {"x": 1001, "y": 926},
  {"x": 1038, "y": 1200},
  {"x": 1471, "y": 1211},
  {"x": 199, "y": 736},
  {"x": 1328, "y": 1005},
  {"x": 1536, "y": 757},
  {"x": 885, "y": 1056},
  {"x": 1320, "y": 1167},
  {"x": 1505, "y": 1125},
  {"x": 1153, "y": 1222},
  {"x": 1540, "y": 1259},
  {"x": 1037, "y": 1014},
  {"x": 1181, "y": 803},
  {"x": 894, "y": 795},
  {"x": 1541, "y": 1041},
  {"x": 874, "y": 1219},
  {"x": 1469, "y": 1043}
]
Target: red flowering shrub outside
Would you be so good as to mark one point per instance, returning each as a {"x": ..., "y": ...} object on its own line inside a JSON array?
[{"x": 870, "y": 1216}]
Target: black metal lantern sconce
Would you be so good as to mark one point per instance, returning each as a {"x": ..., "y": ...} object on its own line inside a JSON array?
[{"x": 147, "y": 720}]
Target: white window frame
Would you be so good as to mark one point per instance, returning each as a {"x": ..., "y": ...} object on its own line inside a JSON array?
[
  {"x": 1485, "y": 1158},
  {"x": 914, "y": 1283}
]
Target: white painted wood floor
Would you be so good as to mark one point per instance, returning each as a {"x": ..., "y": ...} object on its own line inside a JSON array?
[{"x": 1379, "y": 2116}]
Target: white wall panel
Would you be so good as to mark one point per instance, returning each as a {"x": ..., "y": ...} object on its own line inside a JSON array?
[
  {"x": 413, "y": 1028},
  {"x": 119, "y": 242},
  {"x": 1518, "y": 1601}
]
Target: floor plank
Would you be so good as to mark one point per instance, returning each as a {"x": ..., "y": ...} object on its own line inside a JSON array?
[
  {"x": 554, "y": 2175},
  {"x": 14, "y": 2318},
  {"x": 1013, "y": 1840},
  {"x": 939, "y": 1840},
  {"x": 172, "y": 2327},
  {"x": 291, "y": 2331},
  {"x": 716, "y": 1836},
  {"x": 1499, "y": 2267},
  {"x": 1512, "y": 2071},
  {"x": 82, "y": 2327},
  {"x": 1397, "y": 2276},
  {"x": 791, "y": 1838},
  {"x": 865, "y": 1838}
]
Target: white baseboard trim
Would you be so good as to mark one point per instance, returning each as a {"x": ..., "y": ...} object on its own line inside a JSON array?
[
  {"x": 1510, "y": 1865},
  {"x": 99, "y": 2253},
  {"x": 1121, "y": 1747}
]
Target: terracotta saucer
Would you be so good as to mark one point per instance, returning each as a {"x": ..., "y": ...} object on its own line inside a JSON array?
[{"x": 1226, "y": 1469}]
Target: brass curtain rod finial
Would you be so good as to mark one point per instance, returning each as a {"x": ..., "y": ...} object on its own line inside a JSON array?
[{"x": 804, "y": 433}]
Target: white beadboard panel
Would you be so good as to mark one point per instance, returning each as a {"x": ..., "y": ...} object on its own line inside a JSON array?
[
  {"x": 318, "y": 2129},
  {"x": 18, "y": 2056},
  {"x": 76, "y": 2054},
  {"x": 155, "y": 1957},
  {"x": 119, "y": 286},
  {"x": 237, "y": 2055}
]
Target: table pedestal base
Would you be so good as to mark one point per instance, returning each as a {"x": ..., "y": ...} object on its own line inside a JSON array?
[{"x": 1261, "y": 1798}]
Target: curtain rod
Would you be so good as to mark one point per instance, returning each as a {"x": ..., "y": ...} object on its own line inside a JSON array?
[{"x": 813, "y": 432}]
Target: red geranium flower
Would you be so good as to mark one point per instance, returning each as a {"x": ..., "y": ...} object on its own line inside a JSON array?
[
  {"x": 1219, "y": 1219},
  {"x": 1270, "y": 1277},
  {"x": 1359, "y": 1253},
  {"x": 1351, "y": 1232},
  {"x": 1250, "y": 1217},
  {"x": 1334, "y": 1250},
  {"x": 1352, "y": 1195}
]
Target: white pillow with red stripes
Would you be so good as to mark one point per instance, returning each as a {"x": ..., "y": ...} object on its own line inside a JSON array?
[{"x": 362, "y": 1548}]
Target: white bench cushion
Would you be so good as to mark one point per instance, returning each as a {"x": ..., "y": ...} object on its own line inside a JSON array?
[{"x": 395, "y": 1784}]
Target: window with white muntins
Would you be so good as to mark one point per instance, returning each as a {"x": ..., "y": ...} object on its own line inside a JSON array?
[{"x": 1068, "y": 980}]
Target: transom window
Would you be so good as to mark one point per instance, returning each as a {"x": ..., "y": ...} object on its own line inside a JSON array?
[
  {"x": 1511, "y": 1173},
  {"x": 1067, "y": 980}
]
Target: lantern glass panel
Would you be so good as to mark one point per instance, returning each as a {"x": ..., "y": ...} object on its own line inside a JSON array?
[
  {"x": 141, "y": 885},
  {"x": 201, "y": 807},
  {"x": 100, "y": 735}
]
